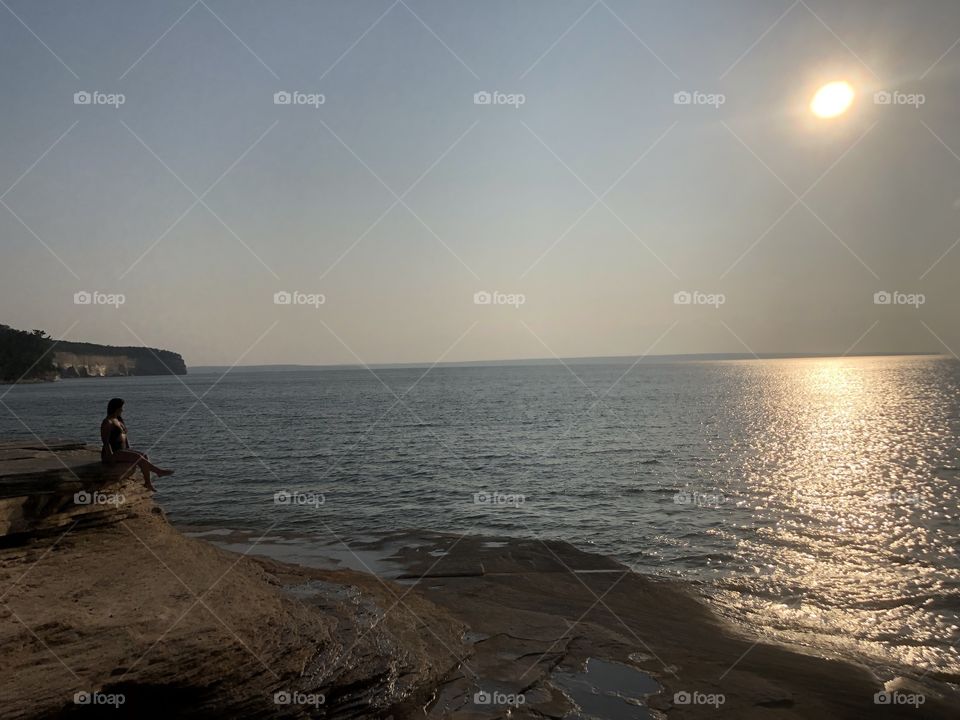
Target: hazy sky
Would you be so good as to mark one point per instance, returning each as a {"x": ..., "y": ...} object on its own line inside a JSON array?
[{"x": 596, "y": 199}]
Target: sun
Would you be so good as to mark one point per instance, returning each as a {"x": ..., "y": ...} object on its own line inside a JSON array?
[{"x": 833, "y": 99}]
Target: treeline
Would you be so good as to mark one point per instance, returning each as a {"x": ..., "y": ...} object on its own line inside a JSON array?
[{"x": 25, "y": 355}]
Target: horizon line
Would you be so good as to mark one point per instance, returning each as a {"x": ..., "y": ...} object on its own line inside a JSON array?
[{"x": 507, "y": 362}]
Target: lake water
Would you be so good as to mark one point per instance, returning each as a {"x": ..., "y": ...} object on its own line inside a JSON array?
[{"x": 813, "y": 499}]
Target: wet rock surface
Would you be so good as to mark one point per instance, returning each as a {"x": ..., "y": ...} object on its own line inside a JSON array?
[
  {"x": 555, "y": 632},
  {"x": 101, "y": 601}
]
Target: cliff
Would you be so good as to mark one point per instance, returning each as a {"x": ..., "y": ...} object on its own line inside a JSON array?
[
  {"x": 33, "y": 356},
  {"x": 75, "y": 359}
]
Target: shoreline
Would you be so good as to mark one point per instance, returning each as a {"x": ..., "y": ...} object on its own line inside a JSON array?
[
  {"x": 451, "y": 626},
  {"x": 380, "y": 554}
]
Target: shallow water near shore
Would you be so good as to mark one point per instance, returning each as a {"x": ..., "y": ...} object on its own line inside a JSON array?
[{"x": 814, "y": 500}]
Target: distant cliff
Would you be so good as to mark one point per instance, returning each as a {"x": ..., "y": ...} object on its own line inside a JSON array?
[
  {"x": 33, "y": 356},
  {"x": 73, "y": 359}
]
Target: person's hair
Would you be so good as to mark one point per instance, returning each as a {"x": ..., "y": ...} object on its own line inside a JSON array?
[{"x": 114, "y": 404}]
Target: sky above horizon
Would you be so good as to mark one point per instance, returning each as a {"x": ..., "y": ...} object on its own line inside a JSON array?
[{"x": 645, "y": 178}]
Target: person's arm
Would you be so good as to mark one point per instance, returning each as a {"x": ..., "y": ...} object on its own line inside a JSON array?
[{"x": 105, "y": 436}]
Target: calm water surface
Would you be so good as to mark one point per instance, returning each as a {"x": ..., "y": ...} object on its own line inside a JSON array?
[{"x": 815, "y": 499}]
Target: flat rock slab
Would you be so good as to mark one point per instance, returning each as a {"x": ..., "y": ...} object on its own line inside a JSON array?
[
  {"x": 425, "y": 555},
  {"x": 580, "y": 635},
  {"x": 50, "y": 466},
  {"x": 48, "y": 485}
]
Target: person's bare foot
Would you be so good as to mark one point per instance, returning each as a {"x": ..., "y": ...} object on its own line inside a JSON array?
[
  {"x": 149, "y": 485},
  {"x": 164, "y": 473}
]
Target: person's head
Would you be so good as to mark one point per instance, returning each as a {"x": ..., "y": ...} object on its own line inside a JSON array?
[{"x": 115, "y": 407}]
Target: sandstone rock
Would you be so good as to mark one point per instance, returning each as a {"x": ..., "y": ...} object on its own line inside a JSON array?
[{"x": 115, "y": 603}]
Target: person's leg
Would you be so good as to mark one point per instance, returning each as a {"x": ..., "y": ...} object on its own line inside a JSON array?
[
  {"x": 145, "y": 472},
  {"x": 150, "y": 467},
  {"x": 139, "y": 459},
  {"x": 127, "y": 466},
  {"x": 144, "y": 462}
]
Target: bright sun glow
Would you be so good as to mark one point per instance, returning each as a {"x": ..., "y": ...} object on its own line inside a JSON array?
[{"x": 833, "y": 99}]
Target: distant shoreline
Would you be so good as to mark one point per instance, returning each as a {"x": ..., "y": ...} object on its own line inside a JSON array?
[{"x": 532, "y": 362}]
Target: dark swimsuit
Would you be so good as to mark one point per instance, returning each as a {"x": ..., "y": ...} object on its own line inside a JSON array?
[{"x": 115, "y": 441}]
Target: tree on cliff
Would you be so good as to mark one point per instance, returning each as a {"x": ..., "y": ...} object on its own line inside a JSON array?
[{"x": 22, "y": 354}]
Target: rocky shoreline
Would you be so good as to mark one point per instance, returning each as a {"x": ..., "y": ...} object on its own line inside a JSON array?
[{"x": 106, "y": 608}]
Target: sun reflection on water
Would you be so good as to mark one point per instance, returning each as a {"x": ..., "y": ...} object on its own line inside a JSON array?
[{"x": 849, "y": 508}]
